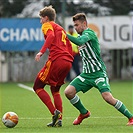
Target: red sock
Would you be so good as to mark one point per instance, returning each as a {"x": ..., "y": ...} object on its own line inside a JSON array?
[
  {"x": 44, "y": 96},
  {"x": 57, "y": 99},
  {"x": 58, "y": 102}
]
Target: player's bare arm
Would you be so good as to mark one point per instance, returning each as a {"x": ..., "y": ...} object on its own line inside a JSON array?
[{"x": 38, "y": 56}]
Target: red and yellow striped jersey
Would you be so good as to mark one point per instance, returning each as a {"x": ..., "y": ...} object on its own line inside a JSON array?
[{"x": 56, "y": 41}]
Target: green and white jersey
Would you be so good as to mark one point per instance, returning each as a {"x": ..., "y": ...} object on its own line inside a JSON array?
[{"x": 89, "y": 50}]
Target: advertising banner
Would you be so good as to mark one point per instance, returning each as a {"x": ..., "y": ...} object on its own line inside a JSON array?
[
  {"x": 20, "y": 34},
  {"x": 113, "y": 32},
  {"x": 25, "y": 34}
]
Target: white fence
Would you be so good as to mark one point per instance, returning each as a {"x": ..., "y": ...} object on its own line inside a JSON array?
[{"x": 21, "y": 66}]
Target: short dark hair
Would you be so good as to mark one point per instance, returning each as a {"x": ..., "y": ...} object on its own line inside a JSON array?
[
  {"x": 48, "y": 11},
  {"x": 80, "y": 17},
  {"x": 70, "y": 27}
]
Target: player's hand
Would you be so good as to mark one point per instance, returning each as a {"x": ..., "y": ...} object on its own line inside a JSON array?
[{"x": 38, "y": 56}]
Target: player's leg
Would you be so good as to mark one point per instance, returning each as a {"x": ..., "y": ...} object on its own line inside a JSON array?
[
  {"x": 107, "y": 96},
  {"x": 43, "y": 95},
  {"x": 57, "y": 75},
  {"x": 104, "y": 88},
  {"x": 57, "y": 102},
  {"x": 70, "y": 93},
  {"x": 57, "y": 98},
  {"x": 39, "y": 84}
]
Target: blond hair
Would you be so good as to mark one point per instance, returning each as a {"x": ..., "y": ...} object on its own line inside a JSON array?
[{"x": 48, "y": 11}]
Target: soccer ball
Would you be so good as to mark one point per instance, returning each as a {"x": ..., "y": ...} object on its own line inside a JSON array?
[{"x": 10, "y": 119}]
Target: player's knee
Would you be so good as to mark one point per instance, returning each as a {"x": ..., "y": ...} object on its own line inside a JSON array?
[
  {"x": 70, "y": 92},
  {"x": 35, "y": 87},
  {"x": 38, "y": 84}
]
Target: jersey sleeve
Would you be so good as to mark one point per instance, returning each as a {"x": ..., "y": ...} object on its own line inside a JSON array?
[
  {"x": 79, "y": 40},
  {"x": 47, "y": 30},
  {"x": 45, "y": 27}
]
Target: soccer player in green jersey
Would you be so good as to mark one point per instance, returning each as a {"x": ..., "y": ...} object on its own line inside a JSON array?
[{"x": 93, "y": 74}]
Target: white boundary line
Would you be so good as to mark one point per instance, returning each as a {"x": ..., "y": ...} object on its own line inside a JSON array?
[{"x": 25, "y": 87}]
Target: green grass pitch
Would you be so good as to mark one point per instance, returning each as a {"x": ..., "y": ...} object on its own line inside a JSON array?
[{"x": 34, "y": 116}]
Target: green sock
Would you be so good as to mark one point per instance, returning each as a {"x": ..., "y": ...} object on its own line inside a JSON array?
[
  {"x": 122, "y": 108},
  {"x": 76, "y": 102}
]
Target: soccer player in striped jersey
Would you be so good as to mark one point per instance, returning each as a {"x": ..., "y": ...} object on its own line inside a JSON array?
[
  {"x": 57, "y": 67},
  {"x": 93, "y": 74}
]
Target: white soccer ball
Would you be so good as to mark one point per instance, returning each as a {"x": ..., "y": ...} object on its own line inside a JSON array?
[{"x": 10, "y": 119}]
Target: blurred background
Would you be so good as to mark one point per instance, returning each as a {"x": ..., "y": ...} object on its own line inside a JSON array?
[{"x": 21, "y": 36}]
